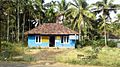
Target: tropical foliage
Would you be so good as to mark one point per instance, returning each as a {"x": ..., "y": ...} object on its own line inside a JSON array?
[
  {"x": 92, "y": 21},
  {"x": 19, "y": 16},
  {"x": 105, "y": 7}
]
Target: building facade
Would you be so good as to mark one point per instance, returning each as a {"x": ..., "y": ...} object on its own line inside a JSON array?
[{"x": 52, "y": 35}]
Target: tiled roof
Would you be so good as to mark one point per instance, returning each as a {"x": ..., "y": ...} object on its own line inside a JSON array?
[{"x": 51, "y": 28}]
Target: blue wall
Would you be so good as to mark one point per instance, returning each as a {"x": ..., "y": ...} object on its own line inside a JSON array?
[
  {"x": 32, "y": 43},
  {"x": 70, "y": 44}
]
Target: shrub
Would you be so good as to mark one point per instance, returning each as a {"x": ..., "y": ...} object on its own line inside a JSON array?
[
  {"x": 107, "y": 56},
  {"x": 39, "y": 47},
  {"x": 112, "y": 44},
  {"x": 80, "y": 44},
  {"x": 33, "y": 47},
  {"x": 28, "y": 58},
  {"x": 95, "y": 43},
  {"x": 9, "y": 50}
]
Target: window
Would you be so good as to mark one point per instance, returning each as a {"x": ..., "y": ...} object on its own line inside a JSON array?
[
  {"x": 38, "y": 39},
  {"x": 64, "y": 39}
]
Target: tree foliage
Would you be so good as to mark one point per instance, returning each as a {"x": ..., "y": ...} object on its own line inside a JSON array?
[{"x": 19, "y": 16}]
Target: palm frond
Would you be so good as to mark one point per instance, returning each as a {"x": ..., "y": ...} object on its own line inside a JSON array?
[
  {"x": 74, "y": 5},
  {"x": 105, "y": 1},
  {"x": 74, "y": 21},
  {"x": 76, "y": 2}
]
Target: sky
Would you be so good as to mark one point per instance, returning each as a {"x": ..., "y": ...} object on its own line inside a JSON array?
[
  {"x": 93, "y": 1},
  {"x": 88, "y": 1}
]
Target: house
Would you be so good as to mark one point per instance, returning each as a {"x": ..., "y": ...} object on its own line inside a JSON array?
[{"x": 52, "y": 35}]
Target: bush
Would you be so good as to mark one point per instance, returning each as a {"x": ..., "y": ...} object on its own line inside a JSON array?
[
  {"x": 107, "y": 56},
  {"x": 78, "y": 44},
  {"x": 95, "y": 43},
  {"x": 8, "y": 50},
  {"x": 112, "y": 44},
  {"x": 83, "y": 43},
  {"x": 28, "y": 58}
]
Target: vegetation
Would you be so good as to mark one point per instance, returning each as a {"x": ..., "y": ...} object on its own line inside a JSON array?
[
  {"x": 78, "y": 16},
  {"x": 10, "y": 50},
  {"x": 14, "y": 52},
  {"x": 96, "y": 43},
  {"x": 19, "y": 16},
  {"x": 87, "y": 56}
]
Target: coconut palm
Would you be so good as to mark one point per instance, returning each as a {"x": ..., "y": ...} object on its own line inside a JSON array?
[
  {"x": 116, "y": 26},
  {"x": 50, "y": 13},
  {"x": 24, "y": 11},
  {"x": 39, "y": 10},
  {"x": 81, "y": 18},
  {"x": 105, "y": 7},
  {"x": 7, "y": 12},
  {"x": 62, "y": 8},
  {"x": 18, "y": 20}
]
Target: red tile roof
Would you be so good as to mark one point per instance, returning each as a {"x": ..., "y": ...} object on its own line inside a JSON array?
[{"x": 51, "y": 28}]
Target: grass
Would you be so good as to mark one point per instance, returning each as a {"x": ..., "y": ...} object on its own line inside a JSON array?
[
  {"x": 86, "y": 56},
  {"x": 105, "y": 56},
  {"x": 14, "y": 52},
  {"x": 10, "y": 50}
]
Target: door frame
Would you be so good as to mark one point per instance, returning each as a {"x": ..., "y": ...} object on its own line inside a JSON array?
[{"x": 53, "y": 45}]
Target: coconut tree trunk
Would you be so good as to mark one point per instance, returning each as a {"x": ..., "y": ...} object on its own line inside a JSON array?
[
  {"x": 39, "y": 18},
  {"x": 79, "y": 35},
  {"x": 105, "y": 33},
  {"x": 0, "y": 36},
  {"x": 23, "y": 28},
  {"x": 18, "y": 21},
  {"x": 29, "y": 19},
  {"x": 12, "y": 32},
  {"x": 8, "y": 26}
]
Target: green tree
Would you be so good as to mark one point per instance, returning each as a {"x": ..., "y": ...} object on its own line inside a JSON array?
[
  {"x": 39, "y": 11},
  {"x": 7, "y": 11},
  {"x": 62, "y": 8},
  {"x": 81, "y": 20},
  {"x": 115, "y": 26},
  {"x": 50, "y": 13},
  {"x": 105, "y": 6}
]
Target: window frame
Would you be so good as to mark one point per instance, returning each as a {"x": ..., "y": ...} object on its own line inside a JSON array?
[
  {"x": 39, "y": 39},
  {"x": 64, "y": 39}
]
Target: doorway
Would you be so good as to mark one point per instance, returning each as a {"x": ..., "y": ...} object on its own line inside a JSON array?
[{"x": 52, "y": 41}]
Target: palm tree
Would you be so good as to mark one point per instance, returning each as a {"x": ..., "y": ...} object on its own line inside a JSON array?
[
  {"x": 62, "y": 8},
  {"x": 8, "y": 9},
  {"x": 50, "y": 13},
  {"x": 81, "y": 19},
  {"x": 7, "y": 13},
  {"x": 39, "y": 11},
  {"x": 105, "y": 6},
  {"x": 116, "y": 26},
  {"x": 18, "y": 20},
  {"x": 118, "y": 18},
  {"x": 23, "y": 9}
]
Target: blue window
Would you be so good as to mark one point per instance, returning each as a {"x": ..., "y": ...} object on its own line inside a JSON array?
[{"x": 64, "y": 39}]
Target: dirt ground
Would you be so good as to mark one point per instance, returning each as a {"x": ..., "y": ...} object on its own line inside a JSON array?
[
  {"x": 45, "y": 58},
  {"x": 16, "y": 64},
  {"x": 46, "y": 54}
]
